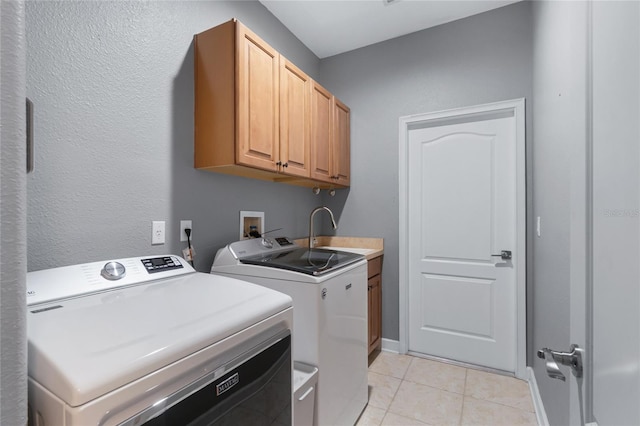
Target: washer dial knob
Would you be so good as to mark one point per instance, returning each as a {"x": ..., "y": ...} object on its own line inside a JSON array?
[{"x": 113, "y": 271}]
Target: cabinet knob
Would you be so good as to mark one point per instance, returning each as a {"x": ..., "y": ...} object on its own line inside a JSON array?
[
  {"x": 279, "y": 163},
  {"x": 285, "y": 165}
]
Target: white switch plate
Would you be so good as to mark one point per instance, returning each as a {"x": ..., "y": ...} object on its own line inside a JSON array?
[
  {"x": 538, "y": 226},
  {"x": 184, "y": 224},
  {"x": 157, "y": 232}
]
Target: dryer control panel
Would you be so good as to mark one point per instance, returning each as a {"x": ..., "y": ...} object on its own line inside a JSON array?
[
  {"x": 76, "y": 280},
  {"x": 159, "y": 264}
]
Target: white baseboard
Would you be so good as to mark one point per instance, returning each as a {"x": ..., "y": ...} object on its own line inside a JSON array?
[
  {"x": 541, "y": 414},
  {"x": 389, "y": 345}
]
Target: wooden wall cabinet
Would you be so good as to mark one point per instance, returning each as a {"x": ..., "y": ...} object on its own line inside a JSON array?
[
  {"x": 253, "y": 113},
  {"x": 374, "y": 293},
  {"x": 330, "y": 138},
  {"x": 295, "y": 127},
  {"x": 257, "y": 102}
]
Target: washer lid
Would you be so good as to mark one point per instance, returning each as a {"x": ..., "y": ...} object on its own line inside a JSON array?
[{"x": 82, "y": 348}]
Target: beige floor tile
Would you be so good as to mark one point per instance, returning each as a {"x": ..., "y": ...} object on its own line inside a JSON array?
[
  {"x": 382, "y": 389},
  {"x": 395, "y": 420},
  {"x": 485, "y": 413},
  {"x": 371, "y": 416},
  {"x": 437, "y": 374},
  {"x": 499, "y": 389},
  {"x": 427, "y": 404},
  {"x": 391, "y": 364}
]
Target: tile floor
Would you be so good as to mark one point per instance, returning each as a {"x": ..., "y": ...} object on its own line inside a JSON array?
[{"x": 406, "y": 390}]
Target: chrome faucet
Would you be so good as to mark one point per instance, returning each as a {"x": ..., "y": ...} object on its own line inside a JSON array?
[{"x": 312, "y": 237}]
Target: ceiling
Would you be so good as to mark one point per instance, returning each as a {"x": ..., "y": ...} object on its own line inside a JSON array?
[{"x": 330, "y": 27}]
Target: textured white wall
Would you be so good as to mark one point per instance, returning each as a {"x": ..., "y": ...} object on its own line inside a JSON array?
[
  {"x": 112, "y": 84},
  {"x": 13, "y": 347}
]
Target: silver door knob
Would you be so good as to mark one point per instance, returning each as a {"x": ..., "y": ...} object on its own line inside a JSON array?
[{"x": 573, "y": 359}]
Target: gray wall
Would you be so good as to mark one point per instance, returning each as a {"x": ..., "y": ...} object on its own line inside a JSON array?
[
  {"x": 481, "y": 59},
  {"x": 559, "y": 109},
  {"x": 112, "y": 84},
  {"x": 13, "y": 200}
]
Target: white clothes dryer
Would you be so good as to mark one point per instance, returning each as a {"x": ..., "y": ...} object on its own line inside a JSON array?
[{"x": 149, "y": 340}]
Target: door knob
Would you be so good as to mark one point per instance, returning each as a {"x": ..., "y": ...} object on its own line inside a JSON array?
[
  {"x": 504, "y": 254},
  {"x": 573, "y": 359}
]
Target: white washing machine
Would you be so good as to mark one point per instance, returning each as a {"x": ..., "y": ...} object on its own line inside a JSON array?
[
  {"x": 329, "y": 291},
  {"x": 149, "y": 340}
]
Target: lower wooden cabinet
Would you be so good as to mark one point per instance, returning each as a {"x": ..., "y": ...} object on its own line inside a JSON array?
[{"x": 375, "y": 302}]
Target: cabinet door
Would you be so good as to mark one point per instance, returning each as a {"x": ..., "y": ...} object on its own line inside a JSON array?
[
  {"x": 341, "y": 143},
  {"x": 295, "y": 129},
  {"x": 257, "y": 101},
  {"x": 375, "y": 308},
  {"x": 321, "y": 133}
]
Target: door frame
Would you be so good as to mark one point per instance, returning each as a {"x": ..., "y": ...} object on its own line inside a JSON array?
[
  {"x": 581, "y": 239},
  {"x": 406, "y": 124}
]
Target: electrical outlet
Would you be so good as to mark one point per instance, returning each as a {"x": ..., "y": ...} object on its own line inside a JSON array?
[
  {"x": 184, "y": 224},
  {"x": 157, "y": 232}
]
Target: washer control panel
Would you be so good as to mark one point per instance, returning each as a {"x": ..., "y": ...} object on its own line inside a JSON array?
[{"x": 255, "y": 246}]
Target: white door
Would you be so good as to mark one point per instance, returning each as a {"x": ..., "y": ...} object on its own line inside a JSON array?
[{"x": 462, "y": 213}]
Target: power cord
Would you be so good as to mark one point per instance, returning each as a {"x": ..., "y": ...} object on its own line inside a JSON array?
[{"x": 188, "y": 232}]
